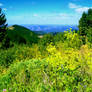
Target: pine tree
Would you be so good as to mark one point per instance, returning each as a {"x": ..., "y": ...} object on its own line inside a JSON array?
[
  {"x": 3, "y": 26},
  {"x": 4, "y": 40},
  {"x": 89, "y": 18},
  {"x": 83, "y": 24}
]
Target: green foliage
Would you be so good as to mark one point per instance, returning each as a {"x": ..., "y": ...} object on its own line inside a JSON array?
[
  {"x": 18, "y": 53},
  {"x": 4, "y": 40},
  {"x": 59, "y": 37},
  {"x": 66, "y": 71},
  {"x": 47, "y": 39},
  {"x": 67, "y": 39},
  {"x": 85, "y": 24},
  {"x": 73, "y": 40},
  {"x": 89, "y": 35},
  {"x": 25, "y": 76},
  {"x": 57, "y": 63},
  {"x": 89, "y": 18},
  {"x": 2, "y": 26},
  {"x": 19, "y": 34}
]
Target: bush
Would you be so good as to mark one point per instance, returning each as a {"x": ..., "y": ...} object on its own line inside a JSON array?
[
  {"x": 73, "y": 40},
  {"x": 89, "y": 35},
  {"x": 47, "y": 39},
  {"x": 18, "y": 53},
  {"x": 59, "y": 37}
]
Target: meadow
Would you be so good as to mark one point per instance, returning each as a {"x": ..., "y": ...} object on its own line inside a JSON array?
[{"x": 54, "y": 63}]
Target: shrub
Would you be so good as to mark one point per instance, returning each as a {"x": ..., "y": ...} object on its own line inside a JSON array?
[
  {"x": 59, "y": 37},
  {"x": 73, "y": 40},
  {"x": 47, "y": 39},
  {"x": 18, "y": 53}
]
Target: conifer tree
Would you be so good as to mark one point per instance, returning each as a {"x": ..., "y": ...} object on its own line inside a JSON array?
[
  {"x": 83, "y": 24},
  {"x": 4, "y": 40},
  {"x": 89, "y": 18},
  {"x": 3, "y": 26}
]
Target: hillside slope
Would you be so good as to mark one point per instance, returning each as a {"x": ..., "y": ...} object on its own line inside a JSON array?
[{"x": 20, "y": 34}]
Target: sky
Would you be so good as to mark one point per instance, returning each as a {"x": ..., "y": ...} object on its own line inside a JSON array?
[{"x": 44, "y": 11}]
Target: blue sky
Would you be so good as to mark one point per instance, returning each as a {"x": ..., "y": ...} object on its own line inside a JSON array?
[{"x": 44, "y": 11}]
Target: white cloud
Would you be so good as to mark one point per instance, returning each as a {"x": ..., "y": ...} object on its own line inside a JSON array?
[
  {"x": 1, "y": 4},
  {"x": 78, "y": 8},
  {"x": 72, "y": 5},
  {"x": 82, "y": 9}
]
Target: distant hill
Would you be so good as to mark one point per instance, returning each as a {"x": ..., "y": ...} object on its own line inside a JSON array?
[
  {"x": 42, "y": 29},
  {"x": 20, "y": 34}
]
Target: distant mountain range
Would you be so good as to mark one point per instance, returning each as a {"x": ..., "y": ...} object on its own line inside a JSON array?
[
  {"x": 51, "y": 28},
  {"x": 41, "y": 29}
]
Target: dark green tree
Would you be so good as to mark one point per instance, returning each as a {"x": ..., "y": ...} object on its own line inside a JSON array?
[
  {"x": 83, "y": 24},
  {"x": 3, "y": 26},
  {"x": 4, "y": 40},
  {"x": 89, "y": 35},
  {"x": 89, "y": 18},
  {"x": 47, "y": 39}
]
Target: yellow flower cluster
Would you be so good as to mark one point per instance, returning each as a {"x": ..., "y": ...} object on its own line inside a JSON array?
[{"x": 70, "y": 58}]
